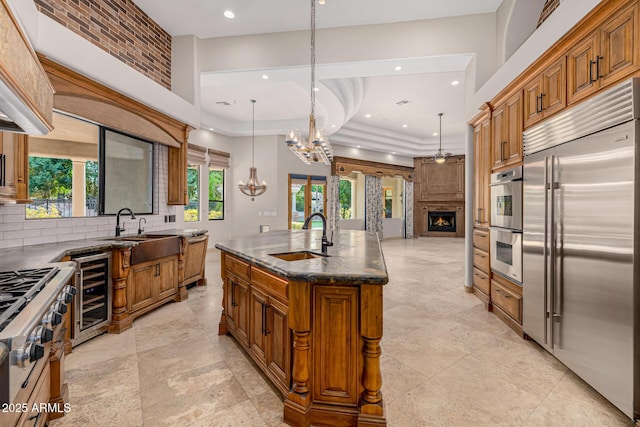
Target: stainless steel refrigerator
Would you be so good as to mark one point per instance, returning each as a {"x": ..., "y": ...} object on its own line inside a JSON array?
[{"x": 580, "y": 241}]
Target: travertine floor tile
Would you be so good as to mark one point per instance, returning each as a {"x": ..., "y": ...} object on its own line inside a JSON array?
[{"x": 446, "y": 361}]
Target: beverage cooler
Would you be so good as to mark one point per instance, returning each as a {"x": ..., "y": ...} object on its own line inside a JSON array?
[{"x": 92, "y": 308}]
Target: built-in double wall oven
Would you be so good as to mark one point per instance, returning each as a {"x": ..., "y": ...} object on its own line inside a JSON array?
[{"x": 506, "y": 224}]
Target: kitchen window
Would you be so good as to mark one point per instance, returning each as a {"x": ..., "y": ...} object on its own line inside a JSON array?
[
  {"x": 216, "y": 194},
  {"x": 351, "y": 196},
  {"x": 192, "y": 209}
]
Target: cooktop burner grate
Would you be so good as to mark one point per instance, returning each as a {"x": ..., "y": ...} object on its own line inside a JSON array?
[{"x": 19, "y": 287}]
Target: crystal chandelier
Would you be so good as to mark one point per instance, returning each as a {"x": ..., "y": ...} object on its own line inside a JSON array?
[
  {"x": 440, "y": 156},
  {"x": 317, "y": 147},
  {"x": 251, "y": 188}
]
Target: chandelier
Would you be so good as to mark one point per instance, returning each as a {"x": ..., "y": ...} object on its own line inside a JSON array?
[
  {"x": 251, "y": 188},
  {"x": 317, "y": 147},
  {"x": 440, "y": 156}
]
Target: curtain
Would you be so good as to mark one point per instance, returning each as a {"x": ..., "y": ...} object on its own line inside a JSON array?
[
  {"x": 334, "y": 203},
  {"x": 408, "y": 210},
  {"x": 373, "y": 204}
]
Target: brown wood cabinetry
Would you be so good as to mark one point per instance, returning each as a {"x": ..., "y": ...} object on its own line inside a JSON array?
[
  {"x": 237, "y": 307},
  {"x": 196, "y": 254},
  {"x": 318, "y": 343},
  {"x": 481, "y": 166},
  {"x": 506, "y": 128},
  {"x": 151, "y": 283},
  {"x": 14, "y": 157},
  {"x": 606, "y": 55},
  {"x": 546, "y": 93},
  {"x": 506, "y": 301}
]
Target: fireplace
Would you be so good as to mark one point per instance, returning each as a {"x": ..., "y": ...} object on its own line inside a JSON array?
[{"x": 442, "y": 221}]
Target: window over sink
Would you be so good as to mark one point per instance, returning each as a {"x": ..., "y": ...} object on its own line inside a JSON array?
[{"x": 82, "y": 169}]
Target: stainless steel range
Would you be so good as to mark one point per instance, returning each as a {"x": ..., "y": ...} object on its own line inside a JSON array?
[{"x": 32, "y": 304}]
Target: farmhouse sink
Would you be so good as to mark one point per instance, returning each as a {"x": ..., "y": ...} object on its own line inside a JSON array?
[
  {"x": 297, "y": 256},
  {"x": 151, "y": 247}
]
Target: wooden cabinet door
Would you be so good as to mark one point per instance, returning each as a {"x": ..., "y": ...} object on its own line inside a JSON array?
[
  {"x": 229, "y": 302},
  {"x": 478, "y": 175},
  {"x": 167, "y": 278},
  {"x": 241, "y": 311},
  {"x": 554, "y": 88},
  {"x": 486, "y": 167},
  {"x": 498, "y": 130},
  {"x": 278, "y": 343},
  {"x": 581, "y": 69},
  {"x": 513, "y": 129},
  {"x": 619, "y": 46},
  {"x": 141, "y": 281},
  {"x": 258, "y": 302},
  {"x": 531, "y": 102},
  {"x": 196, "y": 254}
]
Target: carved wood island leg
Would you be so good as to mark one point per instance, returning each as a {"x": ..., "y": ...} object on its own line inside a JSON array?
[{"x": 120, "y": 320}]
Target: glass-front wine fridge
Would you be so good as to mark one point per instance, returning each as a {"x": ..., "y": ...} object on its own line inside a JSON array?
[{"x": 92, "y": 308}]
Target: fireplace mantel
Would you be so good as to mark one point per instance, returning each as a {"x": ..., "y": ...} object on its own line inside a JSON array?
[{"x": 438, "y": 188}]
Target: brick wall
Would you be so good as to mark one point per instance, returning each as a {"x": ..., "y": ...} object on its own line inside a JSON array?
[
  {"x": 120, "y": 28},
  {"x": 547, "y": 9}
]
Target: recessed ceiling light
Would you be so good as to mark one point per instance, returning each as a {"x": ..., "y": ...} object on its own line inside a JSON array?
[
  {"x": 435, "y": 134},
  {"x": 455, "y": 83},
  {"x": 321, "y": 1},
  {"x": 229, "y": 14},
  {"x": 265, "y": 77},
  {"x": 404, "y": 126},
  {"x": 333, "y": 126},
  {"x": 357, "y": 146},
  {"x": 316, "y": 89},
  {"x": 211, "y": 129},
  {"x": 398, "y": 68},
  {"x": 367, "y": 115},
  {"x": 393, "y": 152}
]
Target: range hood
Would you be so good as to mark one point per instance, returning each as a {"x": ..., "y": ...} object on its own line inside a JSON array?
[{"x": 26, "y": 95}]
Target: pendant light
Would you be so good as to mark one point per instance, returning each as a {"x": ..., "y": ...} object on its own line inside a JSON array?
[
  {"x": 317, "y": 148},
  {"x": 251, "y": 188},
  {"x": 440, "y": 156}
]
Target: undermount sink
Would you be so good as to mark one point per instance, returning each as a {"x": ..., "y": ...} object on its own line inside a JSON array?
[
  {"x": 298, "y": 256},
  {"x": 151, "y": 247}
]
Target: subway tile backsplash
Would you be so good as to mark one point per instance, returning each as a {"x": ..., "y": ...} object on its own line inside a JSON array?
[{"x": 16, "y": 230}]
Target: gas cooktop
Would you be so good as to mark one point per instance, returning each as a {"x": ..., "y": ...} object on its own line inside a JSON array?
[{"x": 18, "y": 288}]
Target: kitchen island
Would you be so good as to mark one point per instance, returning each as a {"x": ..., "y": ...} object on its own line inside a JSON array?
[{"x": 312, "y": 322}]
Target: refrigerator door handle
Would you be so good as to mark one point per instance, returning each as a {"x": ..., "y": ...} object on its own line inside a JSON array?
[
  {"x": 550, "y": 275},
  {"x": 545, "y": 243}
]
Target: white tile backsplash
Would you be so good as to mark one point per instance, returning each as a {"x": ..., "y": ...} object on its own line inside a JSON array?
[{"x": 16, "y": 230}]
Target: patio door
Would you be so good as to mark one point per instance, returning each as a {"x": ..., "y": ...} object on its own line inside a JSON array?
[{"x": 307, "y": 194}]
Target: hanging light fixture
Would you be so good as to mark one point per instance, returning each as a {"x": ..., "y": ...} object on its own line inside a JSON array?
[
  {"x": 251, "y": 188},
  {"x": 440, "y": 156},
  {"x": 317, "y": 147}
]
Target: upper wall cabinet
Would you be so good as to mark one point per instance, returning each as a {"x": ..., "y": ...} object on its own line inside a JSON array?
[
  {"x": 481, "y": 166},
  {"x": 546, "y": 93},
  {"x": 606, "y": 55},
  {"x": 506, "y": 126}
]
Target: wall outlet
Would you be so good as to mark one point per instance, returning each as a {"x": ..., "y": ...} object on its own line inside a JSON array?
[
  {"x": 166, "y": 218},
  {"x": 172, "y": 218}
]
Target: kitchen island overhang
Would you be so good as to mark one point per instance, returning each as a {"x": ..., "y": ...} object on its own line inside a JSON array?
[{"x": 312, "y": 323}]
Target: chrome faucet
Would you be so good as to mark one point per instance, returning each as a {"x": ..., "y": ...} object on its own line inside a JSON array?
[
  {"x": 118, "y": 229},
  {"x": 325, "y": 241},
  {"x": 140, "y": 229}
]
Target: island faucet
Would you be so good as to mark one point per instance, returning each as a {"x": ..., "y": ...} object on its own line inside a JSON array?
[
  {"x": 118, "y": 229},
  {"x": 140, "y": 229},
  {"x": 325, "y": 241}
]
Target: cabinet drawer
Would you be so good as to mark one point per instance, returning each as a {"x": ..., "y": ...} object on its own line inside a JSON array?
[
  {"x": 481, "y": 259},
  {"x": 270, "y": 284},
  {"x": 507, "y": 300},
  {"x": 481, "y": 280},
  {"x": 481, "y": 239},
  {"x": 239, "y": 268}
]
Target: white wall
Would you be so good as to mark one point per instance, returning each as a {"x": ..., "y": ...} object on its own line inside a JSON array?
[{"x": 15, "y": 230}]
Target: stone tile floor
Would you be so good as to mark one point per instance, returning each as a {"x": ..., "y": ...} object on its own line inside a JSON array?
[{"x": 446, "y": 361}]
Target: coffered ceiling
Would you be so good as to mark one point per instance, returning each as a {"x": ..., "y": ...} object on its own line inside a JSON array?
[{"x": 371, "y": 104}]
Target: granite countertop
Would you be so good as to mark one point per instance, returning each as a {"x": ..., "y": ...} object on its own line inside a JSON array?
[
  {"x": 356, "y": 256},
  {"x": 33, "y": 256}
]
